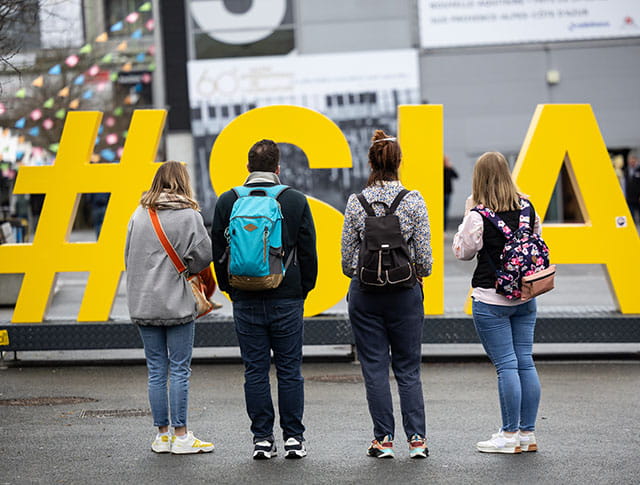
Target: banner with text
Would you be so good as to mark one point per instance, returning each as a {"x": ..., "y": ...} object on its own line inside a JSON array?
[{"x": 458, "y": 23}]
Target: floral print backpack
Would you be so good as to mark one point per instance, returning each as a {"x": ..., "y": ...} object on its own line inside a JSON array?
[{"x": 525, "y": 254}]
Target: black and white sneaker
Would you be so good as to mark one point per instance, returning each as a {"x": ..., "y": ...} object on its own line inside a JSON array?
[
  {"x": 293, "y": 448},
  {"x": 264, "y": 450}
]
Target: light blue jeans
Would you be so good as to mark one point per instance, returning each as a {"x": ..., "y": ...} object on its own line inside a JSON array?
[
  {"x": 168, "y": 352},
  {"x": 506, "y": 333}
]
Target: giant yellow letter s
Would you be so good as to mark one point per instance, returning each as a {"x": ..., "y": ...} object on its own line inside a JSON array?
[
  {"x": 325, "y": 147},
  {"x": 570, "y": 133}
]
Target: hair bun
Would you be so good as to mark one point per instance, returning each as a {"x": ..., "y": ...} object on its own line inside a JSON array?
[{"x": 379, "y": 135}]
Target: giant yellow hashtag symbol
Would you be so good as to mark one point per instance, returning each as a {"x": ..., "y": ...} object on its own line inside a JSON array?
[{"x": 63, "y": 183}]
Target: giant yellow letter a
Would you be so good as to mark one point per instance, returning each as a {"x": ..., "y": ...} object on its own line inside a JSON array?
[{"x": 559, "y": 132}]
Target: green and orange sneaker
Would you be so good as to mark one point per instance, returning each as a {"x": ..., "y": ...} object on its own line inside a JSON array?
[
  {"x": 381, "y": 449},
  {"x": 418, "y": 447}
]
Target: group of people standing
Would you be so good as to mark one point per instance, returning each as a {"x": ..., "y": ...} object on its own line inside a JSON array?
[{"x": 270, "y": 322}]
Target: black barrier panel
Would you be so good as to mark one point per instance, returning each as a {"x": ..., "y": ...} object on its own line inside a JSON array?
[{"x": 331, "y": 330}]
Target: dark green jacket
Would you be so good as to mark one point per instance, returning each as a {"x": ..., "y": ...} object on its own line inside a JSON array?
[{"x": 298, "y": 232}]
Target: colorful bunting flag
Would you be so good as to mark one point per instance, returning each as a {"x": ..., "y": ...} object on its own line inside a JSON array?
[
  {"x": 111, "y": 139},
  {"x": 47, "y": 124},
  {"x": 127, "y": 67},
  {"x": 141, "y": 57},
  {"x": 122, "y": 46},
  {"x": 110, "y": 121},
  {"x": 145, "y": 7},
  {"x": 21, "y": 93},
  {"x": 60, "y": 113},
  {"x": 86, "y": 49},
  {"x": 100, "y": 129},
  {"x": 54, "y": 147},
  {"x": 102, "y": 37},
  {"x": 72, "y": 61},
  {"x": 20, "y": 123},
  {"x": 107, "y": 58},
  {"x": 113, "y": 77},
  {"x": 150, "y": 24},
  {"x": 116, "y": 27},
  {"x": 36, "y": 114},
  {"x": 64, "y": 92},
  {"x": 38, "y": 82},
  {"x": 79, "y": 80},
  {"x": 3, "y": 109},
  {"x": 152, "y": 66},
  {"x": 102, "y": 86},
  {"x": 93, "y": 70},
  {"x": 119, "y": 152},
  {"x": 127, "y": 100},
  {"x": 132, "y": 17},
  {"x": 55, "y": 70},
  {"x": 35, "y": 131},
  {"x": 125, "y": 133},
  {"x": 137, "y": 34},
  {"x": 118, "y": 111},
  {"x": 152, "y": 50},
  {"x": 95, "y": 158},
  {"x": 74, "y": 104},
  {"x": 138, "y": 88},
  {"x": 88, "y": 94},
  {"x": 146, "y": 78},
  {"x": 49, "y": 103}
]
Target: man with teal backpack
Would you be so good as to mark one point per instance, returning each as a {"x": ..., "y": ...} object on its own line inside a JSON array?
[{"x": 264, "y": 253}]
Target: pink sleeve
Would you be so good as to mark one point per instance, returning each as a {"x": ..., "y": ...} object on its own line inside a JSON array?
[{"x": 468, "y": 240}]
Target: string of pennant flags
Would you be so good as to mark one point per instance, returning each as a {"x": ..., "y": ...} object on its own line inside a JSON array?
[{"x": 87, "y": 82}]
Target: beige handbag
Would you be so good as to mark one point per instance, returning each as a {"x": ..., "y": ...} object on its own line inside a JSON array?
[{"x": 538, "y": 283}]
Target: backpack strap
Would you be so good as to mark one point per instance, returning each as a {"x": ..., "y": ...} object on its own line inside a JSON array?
[
  {"x": 274, "y": 191},
  {"x": 388, "y": 210},
  {"x": 494, "y": 219},
  {"x": 366, "y": 206},
  {"x": 525, "y": 215},
  {"x": 397, "y": 200}
]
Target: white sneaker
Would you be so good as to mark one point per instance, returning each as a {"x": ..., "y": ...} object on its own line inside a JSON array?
[
  {"x": 162, "y": 444},
  {"x": 528, "y": 442},
  {"x": 264, "y": 450},
  {"x": 190, "y": 445},
  {"x": 294, "y": 448},
  {"x": 499, "y": 443}
]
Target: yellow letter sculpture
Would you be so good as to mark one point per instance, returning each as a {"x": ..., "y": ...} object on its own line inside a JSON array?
[
  {"x": 62, "y": 183},
  {"x": 421, "y": 140},
  {"x": 325, "y": 147},
  {"x": 608, "y": 236}
]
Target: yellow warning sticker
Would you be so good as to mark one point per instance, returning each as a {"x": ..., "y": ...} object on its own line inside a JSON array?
[{"x": 4, "y": 337}]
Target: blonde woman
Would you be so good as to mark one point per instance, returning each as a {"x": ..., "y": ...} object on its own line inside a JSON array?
[
  {"x": 505, "y": 327},
  {"x": 161, "y": 303}
]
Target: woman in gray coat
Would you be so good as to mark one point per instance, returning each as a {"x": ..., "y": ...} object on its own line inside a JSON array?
[{"x": 161, "y": 302}]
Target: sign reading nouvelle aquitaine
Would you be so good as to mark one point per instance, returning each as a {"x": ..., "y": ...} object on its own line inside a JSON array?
[{"x": 462, "y": 23}]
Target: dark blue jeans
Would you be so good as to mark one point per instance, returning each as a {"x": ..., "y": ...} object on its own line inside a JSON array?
[
  {"x": 263, "y": 326},
  {"x": 384, "y": 322}
]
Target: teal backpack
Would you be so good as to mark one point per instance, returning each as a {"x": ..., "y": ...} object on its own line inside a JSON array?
[{"x": 254, "y": 237}]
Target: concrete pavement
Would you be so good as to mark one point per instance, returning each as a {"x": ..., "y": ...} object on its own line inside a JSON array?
[{"x": 588, "y": 429}]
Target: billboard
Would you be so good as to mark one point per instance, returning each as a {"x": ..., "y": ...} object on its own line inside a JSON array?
[
  {"x": 459, "y": 23},
  {"x": 359, "y": 91}
]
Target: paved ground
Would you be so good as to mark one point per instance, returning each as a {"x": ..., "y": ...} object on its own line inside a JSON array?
[{"x": 588, "y": 428}]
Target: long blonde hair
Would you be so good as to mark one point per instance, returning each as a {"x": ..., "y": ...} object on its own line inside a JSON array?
[
  {"x": 492, "y": 185},
  {"x": 172, "y": 178}
]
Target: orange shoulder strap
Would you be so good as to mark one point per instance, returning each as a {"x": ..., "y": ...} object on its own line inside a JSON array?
[{"x": 173, "y": 256}]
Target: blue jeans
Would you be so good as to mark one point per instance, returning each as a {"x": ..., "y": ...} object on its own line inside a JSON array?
[
  {"x": 506, "y": 333},
  {"x": 384, "y": 322},
  {"x": 263, "y": 326},
  {"x": 168, "y": 352}
]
